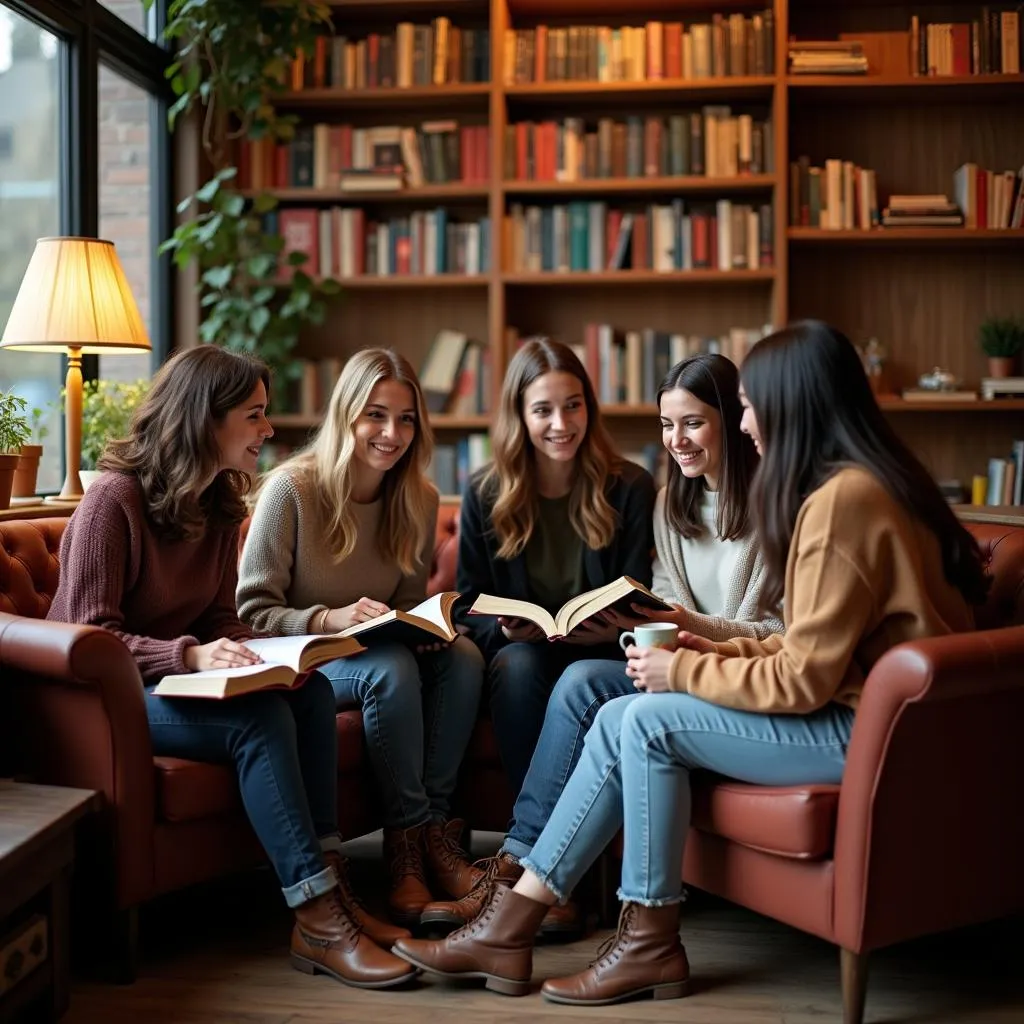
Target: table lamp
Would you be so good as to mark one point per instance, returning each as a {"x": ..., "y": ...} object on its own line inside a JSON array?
[{"x": 74, "y": 298}]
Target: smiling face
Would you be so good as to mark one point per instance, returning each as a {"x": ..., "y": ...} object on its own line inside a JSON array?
[
  {"x": 555, "y": 415},
  {"x": 386, "y": 427},
  {"x": 749, "y": 422},
  {"x": 242, "y": 431},
  {"x": 692, "y": 433}
]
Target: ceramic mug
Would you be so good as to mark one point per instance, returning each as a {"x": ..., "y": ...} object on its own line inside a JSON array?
[{"x": 652, "y": 634}]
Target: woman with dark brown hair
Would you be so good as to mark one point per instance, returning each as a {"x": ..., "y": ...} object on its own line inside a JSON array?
[
  {"x": 150, "y": 555},
  {"x": 556, "y": 513}
]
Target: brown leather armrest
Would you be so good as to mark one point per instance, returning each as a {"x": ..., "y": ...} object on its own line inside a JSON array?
[
  {"x": 80, "y": 720},
  {"x": 926, "y": 837}
]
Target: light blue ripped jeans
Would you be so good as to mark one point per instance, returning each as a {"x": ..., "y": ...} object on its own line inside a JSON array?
[{"x": 635, "y": 774}]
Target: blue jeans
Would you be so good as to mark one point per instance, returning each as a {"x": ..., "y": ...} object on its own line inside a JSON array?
[
  {"x": 284, "y": 747},
  {"x": 574, "y": 703},
  {"x": 418, "y": 714},
  {"x": 635, "y": 774},
  {"x": 521, "y": 677}
]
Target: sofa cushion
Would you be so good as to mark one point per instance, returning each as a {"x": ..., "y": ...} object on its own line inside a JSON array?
[
  {"x": 28, "y": 565},
  {"x": 351, "y": 741},
  {"x": 191, "y": 790},
  {"x": 789, "y": 821}
]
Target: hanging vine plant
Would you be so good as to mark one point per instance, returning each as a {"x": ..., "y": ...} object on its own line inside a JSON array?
[{"x": 232, "y": 62}]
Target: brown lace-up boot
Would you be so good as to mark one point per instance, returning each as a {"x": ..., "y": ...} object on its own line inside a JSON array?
[
  {"x": 497, "y": 945},
  {"x": 455, "y": 913},
  {"x": 384, "y": 933},
  {"x": 643, "y": 957},
  {"x": 403, "y": 850},
  {"x": 326, "y": 940},
  {"x": 449, "y": 866}
]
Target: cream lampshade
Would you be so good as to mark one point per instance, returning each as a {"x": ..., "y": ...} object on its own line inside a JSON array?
[{"x": 74, "y": 298}]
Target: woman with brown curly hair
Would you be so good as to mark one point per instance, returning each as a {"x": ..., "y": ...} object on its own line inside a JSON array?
[
  {"x": 150, "y": 555},
  {"x": 556, "y": 513}
]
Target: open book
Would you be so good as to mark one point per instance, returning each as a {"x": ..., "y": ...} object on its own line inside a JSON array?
[
  {"x": 428, "y": 622},
  {"x": 286, "y": 659},
  {"x": 618, "y": 594}
]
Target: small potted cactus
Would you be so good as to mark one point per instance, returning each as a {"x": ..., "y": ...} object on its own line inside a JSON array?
[
  {"x": 27, "y": 473},
  {"x": 1001, "y": 339}
]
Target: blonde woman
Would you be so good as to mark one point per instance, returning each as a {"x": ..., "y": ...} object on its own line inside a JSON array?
[
  {"x": 556, "y": 513},
  {"x": 342, "y": 532}
]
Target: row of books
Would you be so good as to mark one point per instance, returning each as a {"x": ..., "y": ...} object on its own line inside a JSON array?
[
  {"x": 343, "y": 242},
  {"x": 381, "y": 158},
  {"x": 1004, "y": 482},
  {"x": 838, "y": 196},
  {"x": 731, "y": 45},
  {"x": 712, "y": 142},
  {"x": 827, "y": 57},
  {"x": 456, "y": 374},
  {"x": 438, "y": 53},
  {"x": 989, "y": 44},
  {"x": 989, "y": 199},
  {"x": 453, "y": 464},
  {"x": 588, "y": 236}
]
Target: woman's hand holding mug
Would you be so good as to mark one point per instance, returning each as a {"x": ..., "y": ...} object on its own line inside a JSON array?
[{"x": 649, "y": 649}]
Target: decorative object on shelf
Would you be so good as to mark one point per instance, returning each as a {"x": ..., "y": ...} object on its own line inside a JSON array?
[
  {"x": 873, "y": 356},
  {"x": 27, "y": 473},
  {"x": 107, "y": 410},
  {"x": 233, "y": 61},
  {"x": 938, "y": 379},
  {"x": 14, "y": 432},
  {"x": 995, "y": 387},
  {"x": 1001, "y": 339},
  {"x": 75, "y": 299}
]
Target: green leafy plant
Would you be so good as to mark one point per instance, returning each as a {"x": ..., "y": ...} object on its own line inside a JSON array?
[
  {"x": 37, "y": 425},
  {"x": 107, "y": 408},
  {"x": 232, "y": 62},
  {"x": 1002, "y": 337},
  {"x": 14, "y": 428}
]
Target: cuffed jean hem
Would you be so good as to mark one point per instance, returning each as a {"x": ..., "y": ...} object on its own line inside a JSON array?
[
  {"x": 645, "y": 901},
  {"x": 515, "y": 849},
  {"x": 310, "y": 888},
  {"x": 331, "y": 843},
  {"x": 528, "y": 865}
]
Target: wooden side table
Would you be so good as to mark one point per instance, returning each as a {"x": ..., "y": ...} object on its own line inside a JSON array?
[{"x": 36, "y": 852}]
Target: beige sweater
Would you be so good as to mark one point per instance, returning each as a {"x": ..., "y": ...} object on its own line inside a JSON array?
[
  {"x": 287, "y": 575},
  {"x": 862, "y": 576}
]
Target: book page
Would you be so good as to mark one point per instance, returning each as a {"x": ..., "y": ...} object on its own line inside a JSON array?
[
  {"x": 223, "y": 682},
  {"x": 580, "y": 608},
  {"x": 486, "y": 604},
  {"x": 281, "y": 650},
  {"x": 437, "y": 609}
]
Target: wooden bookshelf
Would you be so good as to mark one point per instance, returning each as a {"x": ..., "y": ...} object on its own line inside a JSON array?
[{"x": 921, "y": 291}]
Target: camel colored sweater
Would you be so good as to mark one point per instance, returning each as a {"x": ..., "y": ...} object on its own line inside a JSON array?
[
  {"x": 158, "y": 596},
  {"x": 862, "y": 576},
  {"x": 287, "y": 576}
]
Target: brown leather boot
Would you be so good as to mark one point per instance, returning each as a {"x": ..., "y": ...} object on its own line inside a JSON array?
[
  {"x": 449, "y": 866},
  {"x": 384, "y": 933},
  {"x": 403, "y": 850},
  {"x": 325, "y": 940},
  {"x": 643, "y": 956},
  {"x": 455, "y": 913},
  {"x": 562, "y": 921},
  {"x": 497, "y": 945}
]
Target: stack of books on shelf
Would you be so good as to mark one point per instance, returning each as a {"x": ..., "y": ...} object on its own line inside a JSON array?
[
  {"x": 344, "y": 242},
  {"x": 438, "y": 53},
  {"x": 730, "y": 45},
  {"x": 827, "y": 57},
  {"x": 840, "y": 196},
  {"x": 453, "y": 464},
  {"x": 989, "y": 199},
  {"x": 712, "y": 142},
  {"x": 456, "y": 375},
  {"x": 591, "y": 237},
  {"x": 921, "y": 211},
  {"x": 379, "y": 158},
  {"x": 1004, "y": 483},
  {"x": 989, "y": 44}
]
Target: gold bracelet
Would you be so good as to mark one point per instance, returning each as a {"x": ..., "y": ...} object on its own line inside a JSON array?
[{"x": 322, "y": 625}]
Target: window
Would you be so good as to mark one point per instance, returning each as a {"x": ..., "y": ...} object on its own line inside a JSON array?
[
  {"x": 30, "y": 205},
  {"x": 133, "y": 14}
]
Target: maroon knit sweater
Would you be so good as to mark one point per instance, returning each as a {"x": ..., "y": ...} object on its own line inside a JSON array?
[{"x": 158, "y": 596}]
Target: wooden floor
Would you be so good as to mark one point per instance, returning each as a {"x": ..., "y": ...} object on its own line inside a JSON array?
[{"x": 220, "y": 955}]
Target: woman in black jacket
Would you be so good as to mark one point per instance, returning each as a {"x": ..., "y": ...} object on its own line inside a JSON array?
[{"x": 556, "y": 513}]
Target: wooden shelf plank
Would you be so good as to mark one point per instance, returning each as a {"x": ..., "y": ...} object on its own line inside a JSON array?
[
  {"x": 881, "y": 87},
  {"x": 997, "y": 405},
  {"x": 423, "y": 95},
  {"x": 884, "y": 236},
  {"x": 684, "y": 88},
  {"x": 399, "y": 281},
  {"x": 625, "y": 186},
  {"x": 637, "y": 277},
  {"x": 586, "y": 11},
  {"x": 428, "y": 193}
]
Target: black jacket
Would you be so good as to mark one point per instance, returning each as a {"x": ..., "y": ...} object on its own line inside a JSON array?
[{"x": 631, "y": 494}]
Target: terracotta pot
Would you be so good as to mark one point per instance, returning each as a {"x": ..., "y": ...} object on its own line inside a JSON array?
[
  {"x": 1001, "y": 366},
  {"x": 8, "y": 464},
  {"x": 27, "y": 472}
]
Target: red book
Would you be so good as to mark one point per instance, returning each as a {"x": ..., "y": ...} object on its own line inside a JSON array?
[{"x": 299, "y": 229}]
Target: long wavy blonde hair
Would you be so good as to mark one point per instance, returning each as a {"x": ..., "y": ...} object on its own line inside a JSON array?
[
  {"x": 512, "y": 476},
  {"x": 327, "y": 463}
]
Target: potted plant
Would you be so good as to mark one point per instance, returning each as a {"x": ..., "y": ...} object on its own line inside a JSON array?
[
  {"x": 14, "y": 432},
  {"x": 1002, "y": 338},
  {"x": 107, "y": 408},
  {"x": 27, "y": 473}
]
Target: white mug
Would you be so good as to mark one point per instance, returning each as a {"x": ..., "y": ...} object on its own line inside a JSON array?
[{"x": 652, "y": 634}]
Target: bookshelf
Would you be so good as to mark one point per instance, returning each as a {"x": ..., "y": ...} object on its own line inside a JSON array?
[{"x": 921, "y": 291}]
